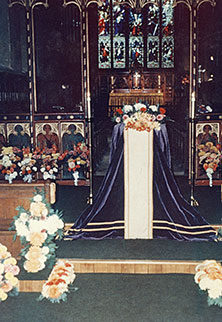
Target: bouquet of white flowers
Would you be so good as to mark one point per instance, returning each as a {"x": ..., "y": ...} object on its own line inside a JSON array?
[{"x": 37, "y": 229}]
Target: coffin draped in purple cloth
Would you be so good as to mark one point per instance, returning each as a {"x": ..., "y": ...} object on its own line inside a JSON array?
[{"x": 174, "y": 218}]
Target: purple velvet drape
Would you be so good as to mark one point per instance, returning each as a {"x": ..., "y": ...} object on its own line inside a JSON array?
[{"x": 174, "y": 217}]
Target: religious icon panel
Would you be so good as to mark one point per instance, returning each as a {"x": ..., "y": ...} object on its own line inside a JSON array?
[
  {"x": 208, "y": 151},
  {"x": 18, "y": 135},
  {"x": 47, "y": 136}
]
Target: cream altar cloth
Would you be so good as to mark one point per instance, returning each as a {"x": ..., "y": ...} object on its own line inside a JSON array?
[{"x": 138, "y": 184}]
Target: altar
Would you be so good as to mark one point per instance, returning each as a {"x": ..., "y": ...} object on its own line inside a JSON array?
[{"x": 120, "y": 97}]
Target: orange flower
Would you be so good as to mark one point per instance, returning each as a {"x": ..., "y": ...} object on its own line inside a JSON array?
[
  {"x": 6, "y": 287},
  {"x": 119, "y": 111},
  {"x": 143, "y": 109},
  {"x": 54, "y": 292},
  {"x": 162, "y": 110},
  {"x": 214, "y": 272}
]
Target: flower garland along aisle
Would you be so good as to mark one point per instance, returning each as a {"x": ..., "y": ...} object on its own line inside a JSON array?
[
  {"x": 209, "y": 158},
  {"x": 8, "y": 272},
  {"x": 209, "y": 278},
  {"x": 37, "y": 229},
  {"x": 59, "y": 283},
  {"x": 140, "y": 117}
]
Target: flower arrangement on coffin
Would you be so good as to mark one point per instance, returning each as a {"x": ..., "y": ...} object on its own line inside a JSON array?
[
  {"x": 8, "y": 272},
  {"x": 77, "y": 160},
  {"x": 57, "y": 286},
  {"x": 37, "y": 229},
  {"x": 140, "y": 117},
  {"x": 209, "y": 278},
  {"x": 209, "y": 158},
  {"x": 8, "y": 163}
]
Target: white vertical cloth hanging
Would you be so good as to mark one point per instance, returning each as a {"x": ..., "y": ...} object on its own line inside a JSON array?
[{"x": 138, "y": 184}]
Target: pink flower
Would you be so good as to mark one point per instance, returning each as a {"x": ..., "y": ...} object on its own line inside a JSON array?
[
  {"x": 14, "y": 269},
  {"x": 160, "y": 117},
  {"x": 125, "y": 117}
]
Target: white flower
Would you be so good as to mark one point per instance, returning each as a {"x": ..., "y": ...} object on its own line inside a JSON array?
[
  {"x": 55, "y": 170},
  {"x": 45, "y": 250},
  {"x": 138, "y": 106},
  {"x": 23, "y": 217},
  {"x": 42, "y": 266},
  {"x": 45, "y": 212},
  {"x": 154, "y": 108},
  {"x": 71, "y": 164},
  {"x": 42, "y": 259},
  {"x": 14, "y": 174},
  {"x": 2, "y": 268},
  {"x": 36, "y": 225},
  {"x": 209, "y": 109},
  {"x": 37, "y": 198},
  {"x": 6, "y": 162},
  {"x": 53, "y": 223},
  {"x": 50, "y": 171},
  {"x": 22, "y": 229},
  {"x": 25, "y": 161},
  {"x": 46, "y": 176},
  {"x": 160, "y": 117},
  {"x": 127, "y": 108},
  {"x": 34, "y": 169},
  {"x": 214, "y": 293},
  {"x": 204, "y": 283},
  {"x": 118, "y": 119},
  {"x": 42, "y": 169}
]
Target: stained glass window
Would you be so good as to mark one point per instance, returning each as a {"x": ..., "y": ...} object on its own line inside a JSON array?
[
  {"x": 136, "y": 52},
  {"x": 104, "y": 36},
  {"x": 119, "y": 41},
  {"x": 167, "y": 34},
  {"x": 153, "y": 36},
  {"x": 129, "y": 37}
]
